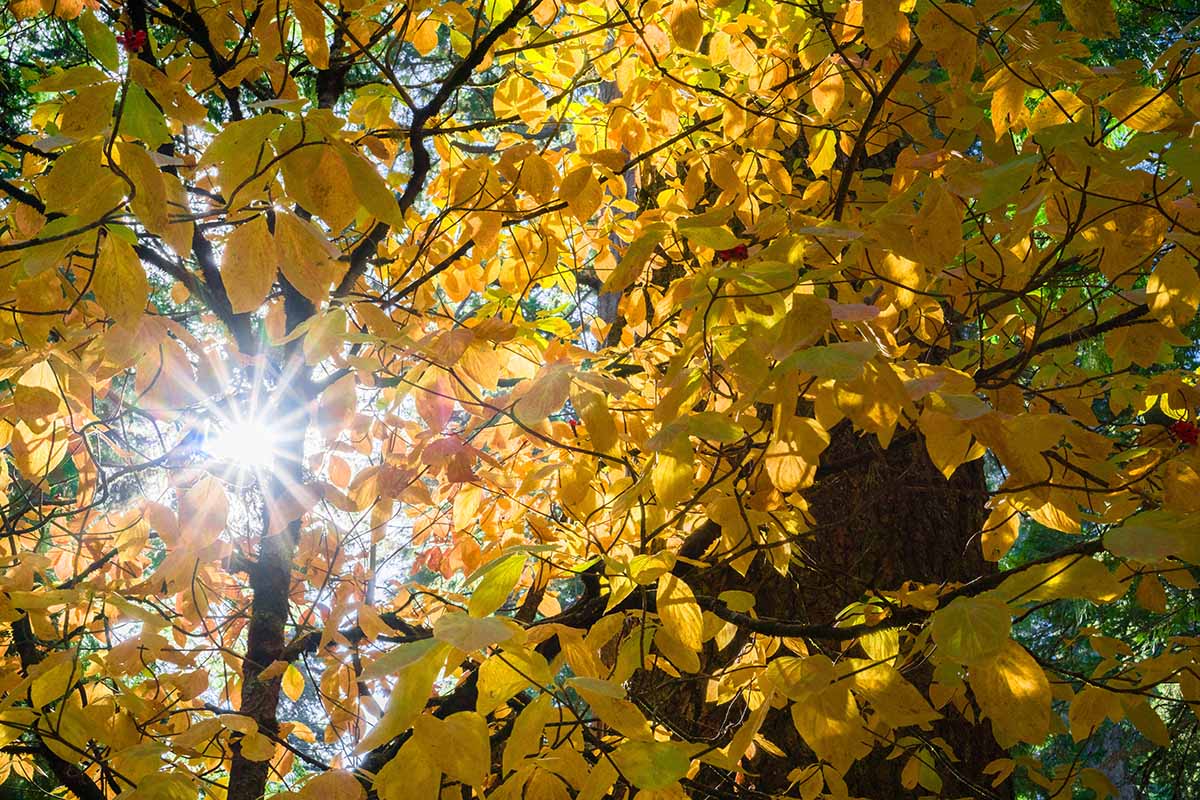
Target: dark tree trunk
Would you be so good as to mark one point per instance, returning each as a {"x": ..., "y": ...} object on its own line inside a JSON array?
[{"x": 883, "y": 517}]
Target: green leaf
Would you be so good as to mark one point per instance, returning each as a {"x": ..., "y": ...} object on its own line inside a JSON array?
[
  {"x": 654, "y": 765},
  {"x": 100, "y": 40},
  {"x": 971, "y": 629},
  {"x": 496, "y": 585},
  {"x": 142, "y": 119}
]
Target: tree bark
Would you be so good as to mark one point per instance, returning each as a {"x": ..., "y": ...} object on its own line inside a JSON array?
[
  {"x": 270, "y": 582},
  {"x": 882, "y": 517}
]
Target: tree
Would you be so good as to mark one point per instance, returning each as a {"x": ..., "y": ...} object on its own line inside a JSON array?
[{"x": 537, "y": 399}]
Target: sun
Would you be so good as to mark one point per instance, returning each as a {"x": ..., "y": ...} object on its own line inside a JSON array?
[{"x": 245, "y": 443}]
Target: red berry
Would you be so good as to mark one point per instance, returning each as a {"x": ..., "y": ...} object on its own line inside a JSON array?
[
  {"x": 132, "y": 41},
  {"x": 1186, "y": 432},
  {"x": 737, "y": 253}
]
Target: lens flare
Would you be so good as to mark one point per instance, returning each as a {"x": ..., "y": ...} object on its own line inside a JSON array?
[{"x": 245, "y": 443}]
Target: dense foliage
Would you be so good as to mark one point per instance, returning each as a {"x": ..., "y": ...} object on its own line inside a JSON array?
[{"x": 539, "y": 399}]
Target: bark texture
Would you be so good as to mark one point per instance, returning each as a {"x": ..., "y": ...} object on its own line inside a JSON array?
[{"x": 882, "y": 517}]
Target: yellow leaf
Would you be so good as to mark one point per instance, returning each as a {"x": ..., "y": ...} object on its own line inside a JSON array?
[
  {"x": 38, "y": 450},
  {"x": 947, "y": 440},
  {"x": 592, "y": 408},
  {"x": 1173, "y": 289},
  {"x": 1008, "y": 104},
  {"x": 1095, "y": 19},
  {"x": 828, "y": 89},
  {"x": 799, "y": 678},
  {"x": 203, "y": 511},
  {"x": 496, "y": 585},
  {"x": 728, "y": 756},
  {"x": 599, "y": 781},
  {"x": 323, "y": 340},
  {"x": 674, "y": 468},
  {"x": 633, "y": 260},
  {"x": 545, "y": 396},
  {"x": 239, "y": 722},
  {"x": 410, "y": 775},
  {"x": 526, "y": 737},
  {"x": 372, "y": 623},
  {"x": 687, "y": 26},
  {"x": 305, "y": 257},
  {"x": 293, "y": 682},
  {"x": 608, "y": 701},
  {"x": 538, "y": 178},
  {"x": 680, "y": 655},
  {"x": 517, "y": 96},
  {"x": 654, "y": 765},
  {"x": 119, "y": 281},
  {"x": 371, "y": 189},
  {"x": 1057, "y": 108},
  {"x": 413, "y": 686},
  {"x": 822, "y": 151},
  {"x": 471, "y": 633},
  {"x": 319, "y": 180},
  {"x": 503, "y": 675},
  {"x": 949, "y": 32},
  {"x": 434, "y": 399},
  {"x": 881, "y": 22},
  {"x": 149, "y": 200},
  {"x": 679, "y": 612},
  {"x": 1070, "y": 577},
  {"x": 1000, "y": 531},
  {"x": 546, "y": 785},
  {"x": 248, "y": 265},
  {"x": 717, "y": 237},
  {"x": 896, "y": 700},
  {"x": 425, "y": 37},
  {"x": 1013, "y": 692},
  {"x": 1155, "y": 536},
  {"x": 256, "y": 747},
  {"x": 458, "y": 744},
  {"x": 1147, "y": 721},
  {"x": 1091, "y": 707},
  {"x": 312, "y": 27},
  {"x": 792, "y": 458},
  {"x": 178, "y": 234},
  {"x": 336, "y": 784},
  {"x": 400, "y": 658},
  {"x": 971, "y": 629},
  {"x": 830, "y": 723},
  {"x": 582, "y": 192},
  {"x": 1143, "y": 108},
  {"x": 54, "y": 681},
  {"x": 89, "y": 112}
]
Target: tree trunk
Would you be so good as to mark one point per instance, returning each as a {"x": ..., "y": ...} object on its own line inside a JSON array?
[
  {"x": 271, "y": 583},
  {"x": 882, "y": 517}
]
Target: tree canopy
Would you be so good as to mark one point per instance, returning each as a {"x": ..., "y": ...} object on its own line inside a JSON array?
[{"x": 586, "y": 399}]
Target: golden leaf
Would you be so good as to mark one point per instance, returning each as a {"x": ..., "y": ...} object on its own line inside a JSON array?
[
  {"x": 679, "y": 612},
  {"x": 582, "y": 192},
  {"x": 1143, "y": 108},
  {"x": 971, "y": 629},
  {"x": 304, "y": 256},
  {"x": 1014, "y": 693},
  {"x": 119, "y": 281},
  {"x": 293, "y": 683},
  {"x": 248, "y": 265},
  {"x": 1095, "y": 19}
]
